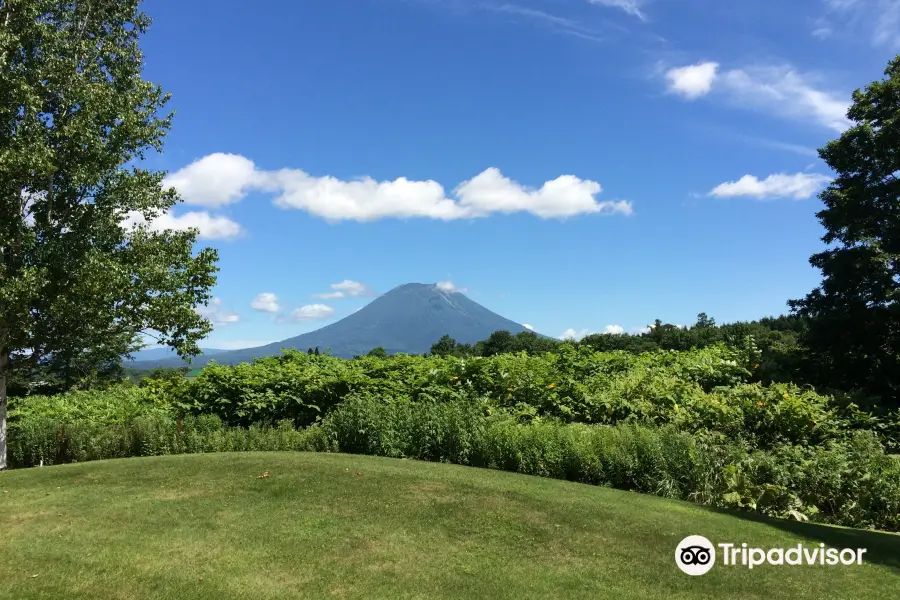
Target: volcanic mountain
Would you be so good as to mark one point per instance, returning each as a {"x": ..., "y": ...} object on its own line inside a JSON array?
[{"x": 409, "y": 318}]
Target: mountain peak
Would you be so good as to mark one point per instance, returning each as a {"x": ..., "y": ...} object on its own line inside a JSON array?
[{"x": 410, "y": 318}]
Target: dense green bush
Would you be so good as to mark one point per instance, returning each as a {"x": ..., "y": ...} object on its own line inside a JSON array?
[
  {"x": 707, "y": 390},
  {"x": 47, "y": 441}
]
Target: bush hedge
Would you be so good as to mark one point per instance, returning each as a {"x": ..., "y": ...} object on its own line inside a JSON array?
[{"x": 709, "y": 390}]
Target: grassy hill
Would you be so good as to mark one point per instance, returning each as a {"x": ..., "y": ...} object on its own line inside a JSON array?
[{"x": 339, "y": 526}]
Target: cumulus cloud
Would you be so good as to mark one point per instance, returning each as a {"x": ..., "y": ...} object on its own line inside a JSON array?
[
  {"x": 577, "y": 335},
  {"x": 265, "y": 302},
  {"x": 572, "y": 334},
  {"x": 366, "y": 199},
  {"x": 215, "y": 180},
  {"x": 527, "y": 326},
  {"x": 210, "y": 227},
  {"x": 632, "y": 7},
  {"x": 312, "y": 312},
  {"x": 777, "y": 90},
  {"x": 352, "y": 288},
  {"x": 641, "y": 330},
  {"x": 214, "y": 312},
  {"x": 450, "y": 287},
  {"x": 780, "y": 185},
  {"x": 692, "y": 81},
  {"x": 347, "y": 288}
]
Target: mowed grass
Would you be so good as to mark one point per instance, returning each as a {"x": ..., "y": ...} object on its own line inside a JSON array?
[{"x": 339, "y": 526}]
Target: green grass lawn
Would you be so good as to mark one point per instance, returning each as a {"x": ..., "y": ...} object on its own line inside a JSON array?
[{"x": 338, "y": 526}]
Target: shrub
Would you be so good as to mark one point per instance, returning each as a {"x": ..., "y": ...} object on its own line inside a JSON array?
[
  {"x": 708, "y": 390},
  {"x": 848, "y": 482}
]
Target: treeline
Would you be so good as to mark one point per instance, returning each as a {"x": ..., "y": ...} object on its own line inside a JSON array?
[{"x": 782, "y": 343}]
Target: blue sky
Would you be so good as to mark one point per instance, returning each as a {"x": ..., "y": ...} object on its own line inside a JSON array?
[{"x": 573, "y": 164}]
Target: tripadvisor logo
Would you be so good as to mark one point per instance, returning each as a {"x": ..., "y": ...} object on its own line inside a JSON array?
[{"x": 696, "y": 555}]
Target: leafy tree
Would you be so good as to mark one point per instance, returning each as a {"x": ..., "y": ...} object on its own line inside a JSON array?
[
  {"x": 446, "y": 346},
  {"x": 704, "y": 322},
  {"x": 378, "y": 352},
  {"x": 309, "y": 352},
  {"x": 499, "y": 342},
  {"x": 316, "y": 352},
  {"x": 81, "y": 273},
  {"x": 854, "y": 326}
]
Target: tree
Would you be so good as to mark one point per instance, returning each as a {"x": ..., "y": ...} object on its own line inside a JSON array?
[
  {"x": 445, "y": 346},
  {"x": 854, "y": 314},
  {"x": 378, "y": 352},
  {"x": 704, "y": 321},
  {"x": 316, "y": 353},
  {"x": 499, "y": 342},
  {"x": 82, "y": 271}
]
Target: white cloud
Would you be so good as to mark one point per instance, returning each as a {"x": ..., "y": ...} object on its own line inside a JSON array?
[
  {"x": 265, "y": 302},
  {"x": 220, "y": 179},
  {"x": 450, "y": 287},
  {"x": 614, "y": 329},
  {"x": 347, "y": 288},
  {"x": 527, "y": 326},
  {"x": 215, "y": 180},
  {"x": 780, "y": 185},
  {"x": 352, "y": 288},
  {"x": 565, "y": 196},
  {"x": 879, "y": 19},
  {"x": 692, "y": 81},
  {"x": 209, "y": 227},
  {"x": 777, "y": 90},
  {"x": 641, "y": 330},
  {"x": 312, "y": 312},
  {"x": 784, "y": 92},
  {"x": 632, "y": 7},
  {"x": 571, "y": 334},
  {"x": 214, "y": 312}
]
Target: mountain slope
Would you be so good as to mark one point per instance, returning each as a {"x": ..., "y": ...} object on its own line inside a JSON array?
[
  {"x": 409, "y": 318},
  {"x": 148, "y": 354}
]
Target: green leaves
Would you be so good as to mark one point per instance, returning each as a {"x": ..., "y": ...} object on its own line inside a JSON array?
[
  {"x": 855, "y": 330},
  {"x": 76, "y": 285}
]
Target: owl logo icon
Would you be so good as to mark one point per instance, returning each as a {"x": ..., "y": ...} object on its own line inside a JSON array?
[{"x": 695, "y": 555}]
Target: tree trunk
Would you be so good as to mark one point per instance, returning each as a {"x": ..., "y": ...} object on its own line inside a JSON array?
[{"x": 4, "y": 362}]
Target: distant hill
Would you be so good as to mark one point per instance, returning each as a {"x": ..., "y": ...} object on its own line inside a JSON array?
[
  {"x": 151, "y": 354},
  {"x": 409, "y": 318}
]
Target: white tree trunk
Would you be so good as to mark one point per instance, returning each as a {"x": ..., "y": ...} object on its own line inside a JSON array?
[{"x": 4, "y": 360}]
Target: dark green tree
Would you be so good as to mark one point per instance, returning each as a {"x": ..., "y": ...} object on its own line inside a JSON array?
[
  {"x": 446, "y": 346},
  {"x": 854, "y": 314},
  {"x": 499, "y": 342},
  {"x": 378, "y": 352},
  {"x": 704, "y": 322},
  {"x": 78, "y": 283}
]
